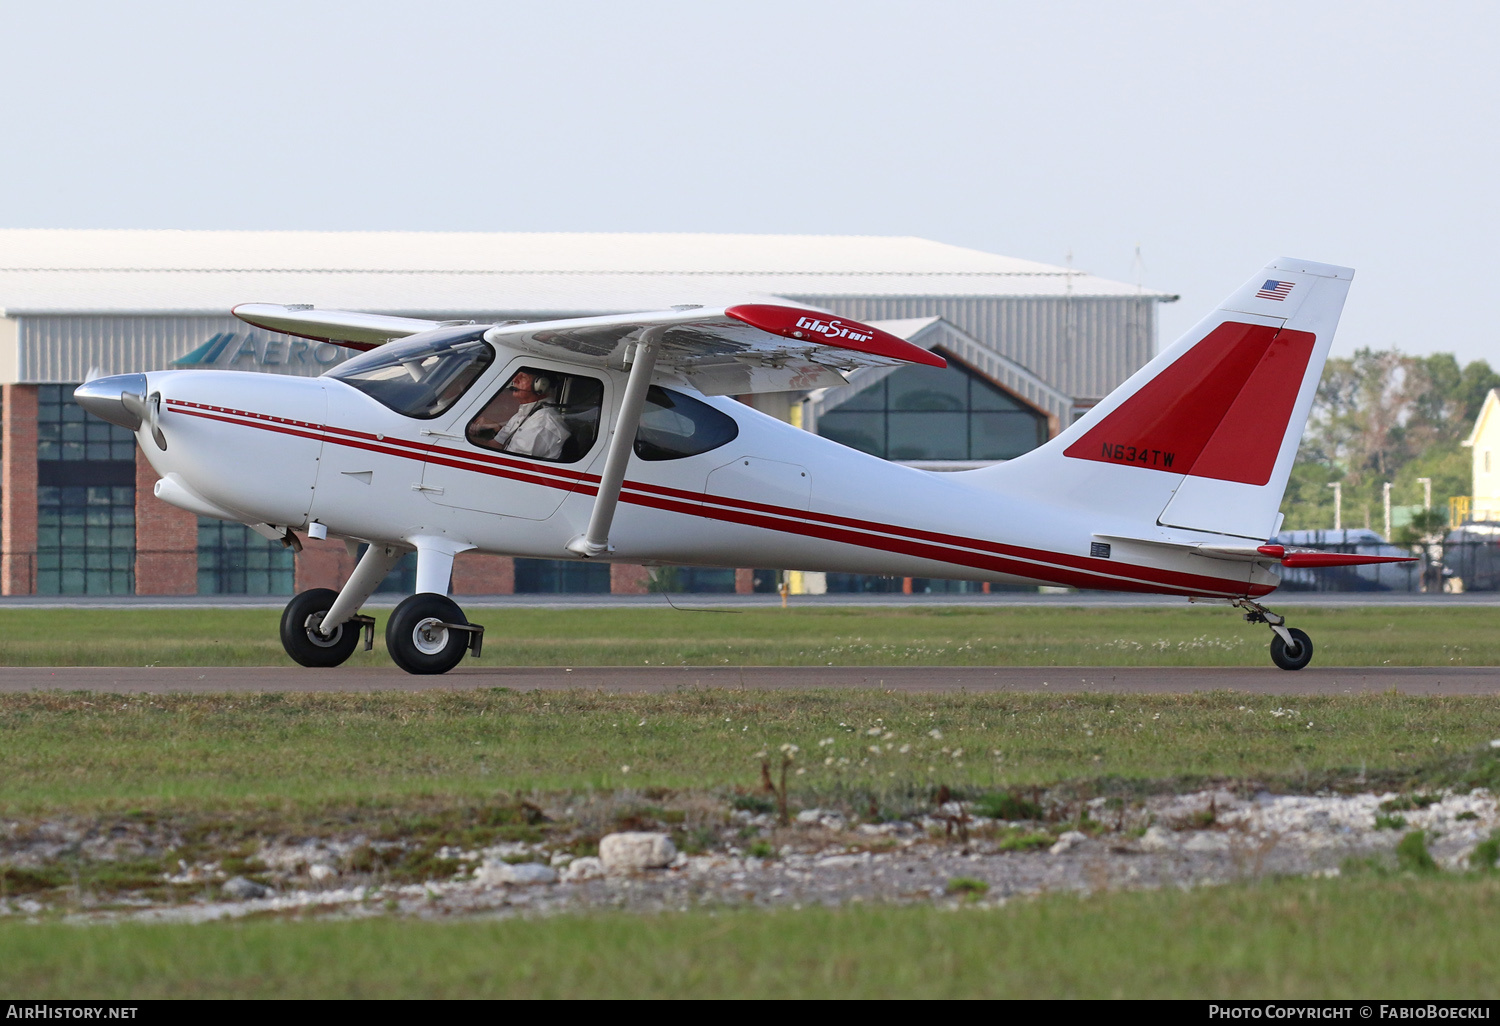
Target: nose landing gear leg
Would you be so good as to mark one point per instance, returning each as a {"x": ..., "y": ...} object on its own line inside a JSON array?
[
  {"x": 322, "y": 627},
  {"x": 1291, "y": 649}
]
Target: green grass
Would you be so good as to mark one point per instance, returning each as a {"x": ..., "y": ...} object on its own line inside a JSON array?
[
  {"x": 1365, "y": 938},
  {"x": 942, "y": 636},
  {"x": 318, "y": 751}
]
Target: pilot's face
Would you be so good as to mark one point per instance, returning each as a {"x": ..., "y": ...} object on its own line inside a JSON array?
[{"x": 522, "y": 384}]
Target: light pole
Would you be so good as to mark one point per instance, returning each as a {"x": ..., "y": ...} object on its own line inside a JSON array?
[
  {"x": 1386, "y": 495},
  {"x": 1338, "y": 505},
  {"x": 1432, "y": 574}
]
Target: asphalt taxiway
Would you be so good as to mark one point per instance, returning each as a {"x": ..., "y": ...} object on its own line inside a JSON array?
[{"x": 1315, "y": 680}]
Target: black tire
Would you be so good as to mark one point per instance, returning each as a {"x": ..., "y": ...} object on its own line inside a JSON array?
[
  {"x": 415, "y": 642},
  {"x": 1288, "y": 657},
  {"x": 303, "y": 643}
]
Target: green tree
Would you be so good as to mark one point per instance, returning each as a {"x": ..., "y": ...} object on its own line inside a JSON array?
[
  {"x": 1379, "y": 416},
  {"x": 1423, "y": 534}
]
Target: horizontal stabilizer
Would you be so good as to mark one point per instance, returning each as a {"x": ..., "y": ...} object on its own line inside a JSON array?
[{"x": 1294, "y": 559}]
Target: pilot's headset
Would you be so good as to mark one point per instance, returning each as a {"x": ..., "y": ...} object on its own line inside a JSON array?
[{"x": 542, "y": 384}]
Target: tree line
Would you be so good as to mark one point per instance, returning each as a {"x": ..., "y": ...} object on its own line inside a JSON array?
[{"x": 1381, "y": 415}]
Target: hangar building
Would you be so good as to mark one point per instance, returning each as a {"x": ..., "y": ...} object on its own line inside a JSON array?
[{"x": 1030, "y": 346}]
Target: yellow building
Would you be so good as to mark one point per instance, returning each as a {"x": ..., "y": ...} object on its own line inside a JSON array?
[{"x": 1485, "y": 441}]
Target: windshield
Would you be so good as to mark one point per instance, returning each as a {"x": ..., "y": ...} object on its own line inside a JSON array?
[{"x": 423, "y": 375}]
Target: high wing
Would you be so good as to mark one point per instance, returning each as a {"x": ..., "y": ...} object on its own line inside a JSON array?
[
  {"x": 345, "y": 328},
  {"x": 753, "y": 347}
]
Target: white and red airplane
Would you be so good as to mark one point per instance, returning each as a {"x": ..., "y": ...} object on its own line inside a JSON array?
[{"x": 615, "y": 438}]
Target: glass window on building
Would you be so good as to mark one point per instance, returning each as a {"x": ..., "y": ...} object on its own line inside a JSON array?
[
  {"x": 85, "y": 540},
  {"x": 701, "y": 579},
  {"x": 234, "y": 560},
  {"x": 561, "y": 576},
  {"x": 927, "y": 413},
  {"x": 401, "y": 579},
  {"x": 85, "y": 500}
]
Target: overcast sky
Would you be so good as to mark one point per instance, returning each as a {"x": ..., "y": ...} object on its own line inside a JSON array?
[{"x": 1215, "y": 136}]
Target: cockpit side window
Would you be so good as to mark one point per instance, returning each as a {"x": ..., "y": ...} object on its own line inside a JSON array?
[
  {"x": 674, "y": 426},
  {"x": 542, "y": 414},
  {"x": 421, "y": 376}
]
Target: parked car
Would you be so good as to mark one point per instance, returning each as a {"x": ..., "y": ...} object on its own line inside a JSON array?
[{"x": 1471, "y": 553}]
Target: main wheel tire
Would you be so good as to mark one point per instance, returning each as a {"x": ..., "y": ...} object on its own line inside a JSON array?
[
  {"x": 417, "y": 641},
  {"x": 1289, "y": 657},
  {"x": 302, "y": 641}
]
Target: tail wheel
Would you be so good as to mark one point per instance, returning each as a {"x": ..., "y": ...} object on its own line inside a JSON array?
[
  {"x": 417, "y": 639},
  {"x": 1294, "y": 656},
  {"x": 300, "y": 634}
]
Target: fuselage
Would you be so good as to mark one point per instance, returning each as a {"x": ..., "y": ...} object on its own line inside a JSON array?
[{"x": 294, "y": 451}]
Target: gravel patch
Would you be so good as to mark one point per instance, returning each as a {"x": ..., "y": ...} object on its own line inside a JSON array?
[{"x": 823, "y": 858}]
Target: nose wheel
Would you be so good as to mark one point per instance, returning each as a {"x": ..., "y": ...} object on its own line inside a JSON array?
[
  {"x": 1291, "y": 649},
  {"x": 302, "y": 633}
]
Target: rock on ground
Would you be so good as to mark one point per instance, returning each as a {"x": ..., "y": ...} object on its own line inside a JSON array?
[
  {"x": 636, "y": 851},
  {"x": 1069, "y": 840},
  {"x": 242, "y": 889},
  {"x": 492, "y": 873},
  {"x": 586, "y": 868}
]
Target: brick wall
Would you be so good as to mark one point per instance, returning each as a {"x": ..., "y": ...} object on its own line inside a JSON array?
[
  {"x": 625, "y": 579},
  {"x": 479, "y": 574},
  {"x": 166, "y": 540},
  {"x": 18, "y": 491},
  {"x": 323, "y": 564}
]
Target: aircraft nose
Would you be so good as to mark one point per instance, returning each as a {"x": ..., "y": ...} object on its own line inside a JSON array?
[{"x": 106, "y": 399}]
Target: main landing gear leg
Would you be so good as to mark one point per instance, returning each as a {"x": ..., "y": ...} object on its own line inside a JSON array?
[
  {"x": 428, "y": 632},
  {"x": 321, "y": 627},
  {"x": 1291, "y": 649}
]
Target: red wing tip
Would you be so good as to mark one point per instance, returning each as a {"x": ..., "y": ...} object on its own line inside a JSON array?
[{"x": 826, "y": 329}]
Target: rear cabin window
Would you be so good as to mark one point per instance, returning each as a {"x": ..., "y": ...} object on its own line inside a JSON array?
[
  {"x": 421, "y": 376},
  {"x": 674, "y": 425}
]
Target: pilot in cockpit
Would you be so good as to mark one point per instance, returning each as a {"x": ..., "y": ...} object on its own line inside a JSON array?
[{"x": 523, "y": 419}]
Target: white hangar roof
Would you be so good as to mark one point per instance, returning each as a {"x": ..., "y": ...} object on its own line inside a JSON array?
[{"x": 47, "y": 271}]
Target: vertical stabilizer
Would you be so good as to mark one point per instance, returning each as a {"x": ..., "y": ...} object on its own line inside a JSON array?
[{"x": 1203, "y": 437}]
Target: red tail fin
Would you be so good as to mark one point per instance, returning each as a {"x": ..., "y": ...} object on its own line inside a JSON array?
[{"x": 1218, "y": 412}]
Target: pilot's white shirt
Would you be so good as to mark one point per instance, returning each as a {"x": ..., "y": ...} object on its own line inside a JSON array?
[{"x": 537, "y": 429}]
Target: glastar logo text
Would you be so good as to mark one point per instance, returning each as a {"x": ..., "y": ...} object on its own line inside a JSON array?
[{"x": 832, "y": 329}]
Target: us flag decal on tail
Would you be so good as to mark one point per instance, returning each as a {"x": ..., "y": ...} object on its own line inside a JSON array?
[{"x": 1277, "y": 290}]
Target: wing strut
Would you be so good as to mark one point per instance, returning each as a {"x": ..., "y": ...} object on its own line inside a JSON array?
[{"x": 595, "y": 540}]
